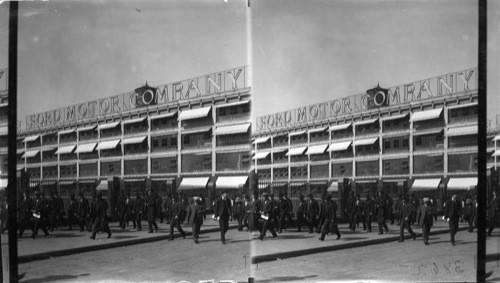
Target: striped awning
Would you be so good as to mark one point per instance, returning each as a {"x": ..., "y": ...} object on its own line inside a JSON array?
[
  {"x": 462, "y": 131},
  {"x": 165, "y": 115},
  {"x": 136, "y": 120},
  {"x": 231, "y": 104},
  {"x": 297, "y": 133},
  {"x": 261, "y": 140},
  {"x": 497, "y": 138},
  {"x": 108, "y": 144},
  {"x": 134, "y": 140},
  {"x": 69, "y": 131},
  {"x": 369, "y": 141},
  {"x": 194, "y": 113},
  {"x": 261, "y": 155},
  {"x": 426, "y": 115},
  {"x": 231, "y": 182},
  {"x": 425, "y": 184},
  {"x": 366, "y": 122},
  {"x": 462, "y": 183},
  {"x": 4, "y": 131},
  {"x": 334, "y": 187},
  {"x": 340, "y": 146},
  {"x": 340, "y": 127},
  {"x": 88, "y": 128},
  {"x": 279, "y": 150},
  {"x": 83, "y": 148},
  {"x": 196, "y": 131},
  {"x": 395, "y": 117},
  {"x": 3, "y": 184},
  {"x": 296, "y": 151},
  {"x": 30, "y": 153},
  {"x": 49, "y": 148},
  {"x": 108, "y": 126},
  {"x": 317, "y": 149},
  {"x": 65, "y": 149},
  {"x": 233, "y": 129},
  {"x": 30, "y": 139},
  {"x": 103, "y": 185},
  {"x": 318, "y": 130},
  {"x": 193, "y": 183}
]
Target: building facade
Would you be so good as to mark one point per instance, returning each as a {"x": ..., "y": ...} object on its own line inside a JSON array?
[
  {"x": 184, "y": 137},
  {"x": 416, "y": 137}
]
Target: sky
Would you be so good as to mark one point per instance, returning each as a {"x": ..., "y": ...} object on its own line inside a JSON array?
[
  {"x": 72, "y": 52},
  {"x": 302, "y": 52}
]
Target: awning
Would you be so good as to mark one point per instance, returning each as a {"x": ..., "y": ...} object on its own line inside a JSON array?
[
  {"x": 65, "y": 149},
  {"x": 165, "y": 115},
  {"x": 83, "y": 148},
  {"x": 34, "y": 184},
  {"x": 497, "y": 138},
  {"x": 334, "y": 187},
  {"x": 427, "y": 132},
  {"x": 340, "y": 146},
  {"x": 233, "y": 129},
  {"x": 261, "y": 155},
  {"x": 425, "y": 184},
  {"x": 66, "y": 183},
  {"x": 88, "y": 128},
  {"x": 340, "y": 127},
  {"x": 108, "y": 126},
  {"x": 462, "y": 105},
  {"x": 317, "y": 149},
  {"x": 462, "y": 131},
  {"x": 134, "y": 140},
  {"x": 3, "y": 183},
  {"x": 108, "y": 144},
  {"x": 193, "y": 183},
  {"x": 261, "y": 140},
  {"x": 30, "y": 139},
  {"x": 462, "y": 183},
  {"x": 366, "y": 122},
  {"x": 279, "y": 150},
  {"x": 297, "y": 184},
  {"x": 296, "y": 133},
  {"x": 136, "y": 120},
  {"x": 490, "y": 149},
  {"x": 233, "y": 104},
  {"x": 231, "y": 182},
  {"x": 103, "y": 185},
  {"x": 5, "y": 104},
  {"x": 322, "y": 129},
  {"x": 49, "y": 148},
  {"x": 369, "y": 141},
  {"x": 4, "y": 131},
  {"x": 296, "y": 151},
  {"x": 194, "y": 113},
  {"x": 69, "y": 131},
  {"x": 496, "y": 153},
  {"x": 197, "y": 131},
  {"x": 30, "y": 153},
  {"x": 426, "y": 115},
  {"x": 395, "y": 117}
]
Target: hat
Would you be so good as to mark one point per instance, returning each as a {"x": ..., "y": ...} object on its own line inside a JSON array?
[
  {"x": 196, "y": 198},
  {"x": 426, "y": 199},
  {"x": 238, "y": 199}
]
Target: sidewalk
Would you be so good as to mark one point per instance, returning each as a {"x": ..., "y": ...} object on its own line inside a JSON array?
[
  {"x": 65, "y": 242},
  {"x": 292, "y": 243}
]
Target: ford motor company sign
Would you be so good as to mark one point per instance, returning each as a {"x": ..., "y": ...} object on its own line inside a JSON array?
[
  {"x": 211, "y": 84},
  {"x": 446, "y": 85}
]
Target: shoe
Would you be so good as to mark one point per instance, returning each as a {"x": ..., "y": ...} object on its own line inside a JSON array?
[
  {"x": 321, "y": 239},
  {"x": 196, "y": 242},
  {"x": 156, "y": 230},
  {"x": 426, "y": 243},
  {"x": 261, "y": 238},
  {"x": 338, "y": 237},
  {"x": 109, "y": 235},
  {"x": 93, "y": 238},
  {"x": 150, "y": 232},
  {"x": 33, "y": 236},
  {"x": 414, "y": 237},
  {"x": 380, "y": 233},
  {"x": 46, "y": 234},
  {"x": 400, "y": 241},
  {"x": 184, "y": 236},
  {"x": 386, "y": 230}
]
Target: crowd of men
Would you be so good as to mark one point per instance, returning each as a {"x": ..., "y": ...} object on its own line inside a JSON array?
[{"x": 274, "y": 213}]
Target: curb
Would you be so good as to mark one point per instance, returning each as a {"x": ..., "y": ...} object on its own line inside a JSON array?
[
  {"x": 296, "y": 253},
  {"x": 48, "y": 255}
]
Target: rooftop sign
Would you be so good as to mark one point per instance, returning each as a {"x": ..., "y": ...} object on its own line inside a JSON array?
[
  {"x": 211, "y": 84},
  {"x": 446, "y": 85}
]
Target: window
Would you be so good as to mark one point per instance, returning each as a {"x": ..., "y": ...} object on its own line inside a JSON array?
[
  {"x": 465, "y": 112},
  {"x": 186, "y": 139},
  {"x": 164, "y": 142},
  {"x": 387, "y": 144},
  {"x": 233, "y": 110},
  {"x": 396, "y": 143},
  {"x": 405, "y": 165},
  {"x": 155, "y": 142},
  {"x": 207, "y": 136},
  {"x": 342, "y": 169},
  {"x": 405, "y": 142},
  {"x": 418, "y": 140},
  {"x": 453, "y": 114},
  {"x": 110, "y": 168},
  {"x": 173, "y": 141},
  {"x": 438, "y": 137}
]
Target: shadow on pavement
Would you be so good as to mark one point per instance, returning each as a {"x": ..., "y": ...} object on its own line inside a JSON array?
[
  {"x": 285, "y": 278},
  {"x": 281, "y": 236},
  {"x": 493, "y": 257},
  {"x": 124, "y": 237},
  {"x": 50, "y": 278},
  {"x": 351, "y": 238},
  {"x": 65, "y": 235}
]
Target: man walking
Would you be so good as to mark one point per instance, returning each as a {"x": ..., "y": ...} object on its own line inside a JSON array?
[
  {"x": 256, "y": 207},
  {"x": 238, "y": 212},
  {"x": 177, "y": 215},
  {"x": 83, "y": 211},
  {"x": 425, "y": 216},
  {"x": 138, "y": 211},
  {"x": 301, "y": 213},
  {"x": 72, "y": 210},
  {"x": 330, "y": 218},
  {"x": 222, "y": 213},
  {"x": 195, "y": 217},
  {"x": 492, "y": 212},
  {"x": 25, "y": 213},
  {"x": 267, "y": 214},
  {"x": 381, "y": 210},
  {"x": 470, "y": 213},
  {"x": 452, "y": 215},
  {"x": 369, "y": 212},
  {"x": 405, "y": 214},
  {"x": 312, "y": 212},
  {"x": 284, "y": 210},
  {"x": 101, "y": 219},
  {"x": 151, "y": 207},
  {"x": 40, "y": 216}
]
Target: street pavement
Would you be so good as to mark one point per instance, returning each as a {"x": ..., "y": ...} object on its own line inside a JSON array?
[{"x": 289, "y": 245}]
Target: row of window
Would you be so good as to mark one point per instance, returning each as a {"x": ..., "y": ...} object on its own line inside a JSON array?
[
  {"x": 421, "y": 165},
  {"x": 239, "y": 161}
]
